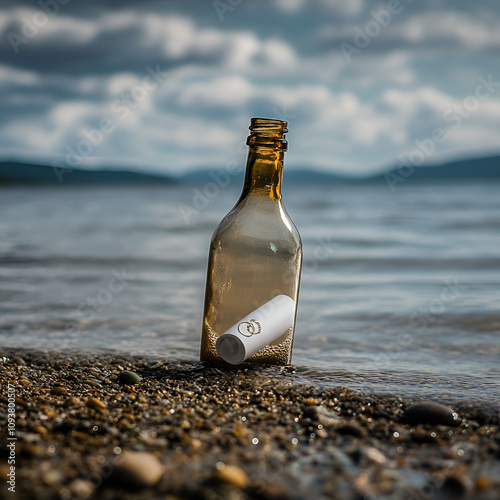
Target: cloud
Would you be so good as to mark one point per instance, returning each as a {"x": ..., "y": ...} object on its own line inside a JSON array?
[
  {"x": 444, "y": 31},
  {"x": 342, "y": 7},
  {"x": 277, "y": 59},
  {"x": 127, "y": 41}
]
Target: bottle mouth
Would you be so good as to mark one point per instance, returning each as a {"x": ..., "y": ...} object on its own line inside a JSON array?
[{"x": 268, "y": 133}]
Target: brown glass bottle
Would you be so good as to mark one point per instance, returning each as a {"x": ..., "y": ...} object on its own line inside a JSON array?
[{"x": 256, "y": 251}]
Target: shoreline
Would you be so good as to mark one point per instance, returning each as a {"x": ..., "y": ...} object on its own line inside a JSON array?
[{"x": 196, "y": 431}]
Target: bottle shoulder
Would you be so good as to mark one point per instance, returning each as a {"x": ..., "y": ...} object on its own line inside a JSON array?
[{"x": 258, "y": 219}]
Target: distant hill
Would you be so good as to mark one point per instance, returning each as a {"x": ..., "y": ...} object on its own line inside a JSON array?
[
  {"x": 293, "y": 176},
  {"x": 15, "y": 173},
  {"x": 474, "y": 168},
  {"x": 23, "y": 173},
  {"x": 477, "y": 168}
]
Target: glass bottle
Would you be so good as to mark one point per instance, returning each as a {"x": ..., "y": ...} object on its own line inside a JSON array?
[{"x": 256, "y": 251}]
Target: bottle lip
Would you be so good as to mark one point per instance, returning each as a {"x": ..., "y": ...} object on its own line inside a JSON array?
[
  {"x": 269, "y": 123},
  {"x": 268, "y": 133}
]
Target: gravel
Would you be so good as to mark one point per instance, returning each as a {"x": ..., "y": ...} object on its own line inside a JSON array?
[{"x": 192, "y": 430}]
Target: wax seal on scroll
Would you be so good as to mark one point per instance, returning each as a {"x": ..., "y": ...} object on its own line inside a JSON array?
[{"x": 249, "y": 328}]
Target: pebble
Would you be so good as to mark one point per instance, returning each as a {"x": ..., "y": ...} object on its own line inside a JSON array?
[
  {"x": 81, "y": 488},
  {"x": 129, "y": 378},
  {"x": 321, "y": 415},
  {"x": 374, "y": 455},
  {"x": 52, "y": 477},
  {"x": 92, "y": 382},
  {"x": 430, "y": 413},
  {"x": 296, "y": 454},
  {"x": 310, "y": 402},
  {"x": 137, "y": 469},
  {"x": 59, "y": 391},
  {"x": 232, "y": 475},
  {"x": 72, "y": 401},
  {"x": 95, "y": 404},
  {"x": 352, "y": 430},
  {"x": 456, "y": 485},
  {"x": 40, "y": 429}
]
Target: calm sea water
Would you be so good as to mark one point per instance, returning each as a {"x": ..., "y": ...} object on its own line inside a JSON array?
[{"x": 400, "y": 291}]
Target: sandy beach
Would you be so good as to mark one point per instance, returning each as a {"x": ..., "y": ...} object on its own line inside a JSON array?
[{"x": 87, "y": 428}]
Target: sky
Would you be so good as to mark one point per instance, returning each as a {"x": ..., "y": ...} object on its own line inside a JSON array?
[{"x": 171, "y": 85}]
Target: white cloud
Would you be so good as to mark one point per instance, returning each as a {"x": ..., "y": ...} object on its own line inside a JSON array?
[
  {"x": 445, "y": 28},
  {"x": 343, "y": 7},
  {"x": 359, "y": 114},
  {"x": 223, "y": 91}
]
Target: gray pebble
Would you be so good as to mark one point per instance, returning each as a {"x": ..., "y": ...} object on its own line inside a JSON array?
[
  {"x": 129, "y": 378},
  {"x": 430, "y": 413}
]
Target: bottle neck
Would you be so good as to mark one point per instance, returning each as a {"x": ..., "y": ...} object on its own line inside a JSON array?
[{"x": 264, "y": 171}]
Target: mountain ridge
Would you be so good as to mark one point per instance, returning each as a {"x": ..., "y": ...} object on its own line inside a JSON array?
[{"x": 14, "y": 172}]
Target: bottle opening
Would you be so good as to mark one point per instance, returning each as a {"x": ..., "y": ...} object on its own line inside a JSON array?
[{"x": 267, "y": 132}]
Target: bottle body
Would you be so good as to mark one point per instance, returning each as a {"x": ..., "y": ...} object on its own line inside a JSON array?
[{"x": 255, "y": 255}]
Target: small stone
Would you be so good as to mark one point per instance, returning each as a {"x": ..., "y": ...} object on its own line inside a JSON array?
[
  {"x": 52, "y": 477},
  {"x": 18, "y": 361},
  {"x": 483, "y": 483},
  {"x": 95, "y": 404},
  {"x": 232, "y": 475},
  {"x": 72, "y": 401},
  {"x": 270, "y": 491},
  {"x": 352, "y": 430},
  {"x": 33, "y": 450},
  {"x": 196, "y": 444},
  {"x": 375, "y": 456},
  {"x": 129, "y": 378},
  {"x": 92, "y": 382},
  {"x": 40, "y": 429},
  {"x": 430, "y": 413},
  {"x": 137, "y": 469},
  {"x": 456, "y": 485},
  {"x": 310, "y": 402},
  {"x": 194, "y": 388},
  {"x": 81, "y": 489},
  {"x": 59, "y": 391},
  {"x": 321, "y": 415},
  {"x": 49, "y": 412}
]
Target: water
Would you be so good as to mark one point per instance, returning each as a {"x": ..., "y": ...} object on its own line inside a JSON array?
[{"x": 400, "y": 291}]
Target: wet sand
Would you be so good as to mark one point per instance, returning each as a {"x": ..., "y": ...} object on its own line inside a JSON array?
[{"x": 205, "y": 432}]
